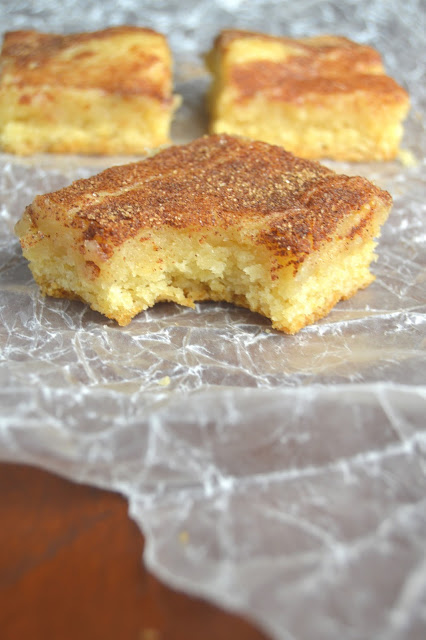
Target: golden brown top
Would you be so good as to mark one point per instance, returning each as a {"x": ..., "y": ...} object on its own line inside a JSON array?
[
  {"x": 293, "y": 69},
  {"x": 124, "y": 60},
  {"x": 285, "y": 203}
]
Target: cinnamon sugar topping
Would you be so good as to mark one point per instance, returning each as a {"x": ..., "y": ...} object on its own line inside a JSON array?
[{"x": 284, "y": 202}]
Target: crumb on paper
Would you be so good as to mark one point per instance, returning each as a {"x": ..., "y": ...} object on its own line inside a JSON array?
[
  {"x": 189, "y": 70},
  {"x": 184, "y": 537},
  {"x": 407, "y": 158},
  {"x": 150, "y": 634},
  {"x": 164, "y": 382}
]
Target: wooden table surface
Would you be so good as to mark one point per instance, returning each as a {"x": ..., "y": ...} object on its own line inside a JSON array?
[{"x": 71, "y": 569}]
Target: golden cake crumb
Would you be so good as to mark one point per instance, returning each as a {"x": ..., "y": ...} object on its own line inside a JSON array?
[
  {"x": 407, "y": 158},
  {"x": 184, "y": 537}
]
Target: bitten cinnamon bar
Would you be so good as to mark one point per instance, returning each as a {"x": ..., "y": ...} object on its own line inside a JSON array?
[{"x": 221, "y": 218}]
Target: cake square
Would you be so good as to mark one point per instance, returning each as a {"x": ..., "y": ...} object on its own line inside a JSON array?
[
  {"x": 319, "y": 97},
  {"x": 222, "y": 218},
  {"x": 105, "y": 92}
]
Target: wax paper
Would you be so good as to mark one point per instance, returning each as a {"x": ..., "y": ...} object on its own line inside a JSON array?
[{"x": 282, "y": 477}]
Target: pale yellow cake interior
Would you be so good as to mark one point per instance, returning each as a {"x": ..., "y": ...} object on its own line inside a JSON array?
[
  {"x": 312, "y": 132},
  {"x": 87, "y": 122},
  {"x": 185, "y": 266}
]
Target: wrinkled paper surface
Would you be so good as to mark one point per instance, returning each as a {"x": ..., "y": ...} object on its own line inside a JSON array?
[{"x": 282, "y": 477}]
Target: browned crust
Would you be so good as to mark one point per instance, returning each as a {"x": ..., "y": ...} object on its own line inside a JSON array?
[
  {"x": 284, "y": 203},
  {"x": 33, "y": 59},
  {"x": 325, "y": 54},
  {"x": 318, "y": 65},
  {"x": 278, "y": 82}
]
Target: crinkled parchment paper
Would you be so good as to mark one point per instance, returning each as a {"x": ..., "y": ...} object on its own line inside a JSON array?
[{"x": 282, "y": 477}]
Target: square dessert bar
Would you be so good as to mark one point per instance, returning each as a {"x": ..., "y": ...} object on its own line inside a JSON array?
[
  {"x": 106, "y": 92},
  {"x": 221, "y": 218},
  {"x": 319, "y": 97}
]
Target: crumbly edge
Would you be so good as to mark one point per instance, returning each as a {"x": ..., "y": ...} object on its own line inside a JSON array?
[{"x": 184, "y": 267}]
